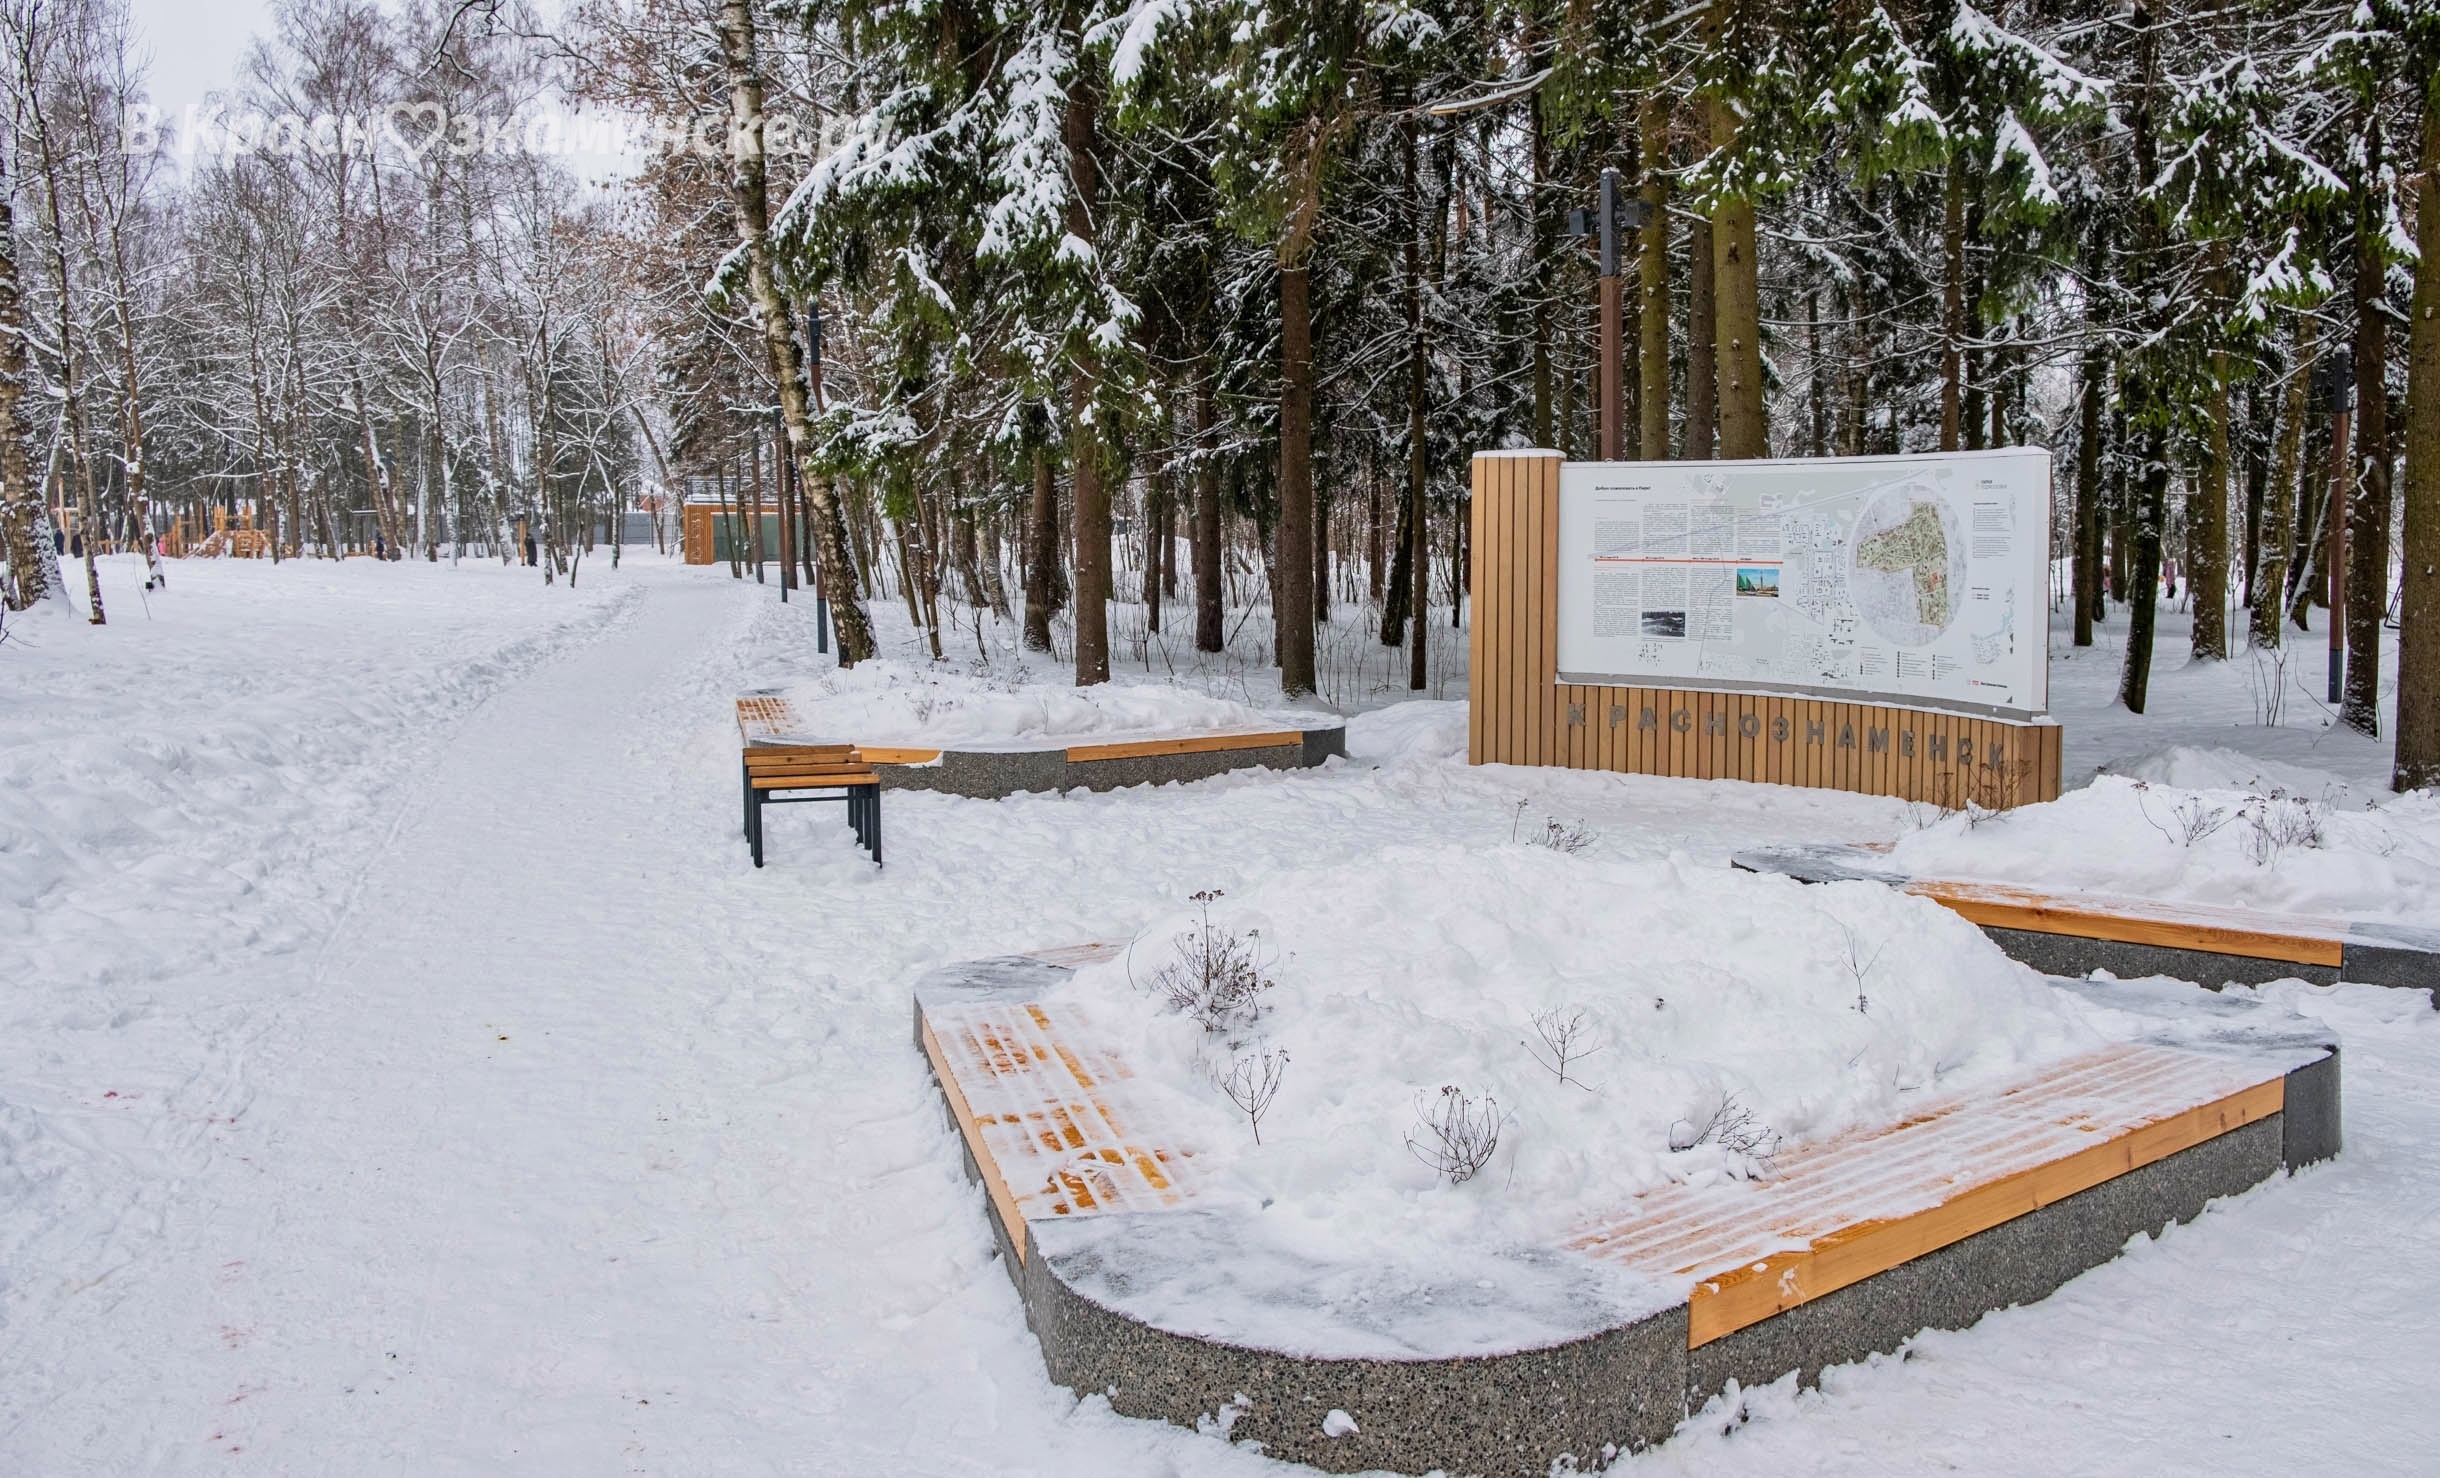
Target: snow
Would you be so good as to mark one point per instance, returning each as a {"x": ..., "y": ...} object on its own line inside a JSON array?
[
  {"x": 1422, "y": 965},
  {"x": 900, "y": 702},
  {"x": 402, "y": 1070},
  {"x": 2245, "y": 846}
]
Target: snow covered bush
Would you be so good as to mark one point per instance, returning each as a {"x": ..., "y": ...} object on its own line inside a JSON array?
[
  {"x": 2237, "y": 834},
  {"x": 1722, "y": 1006},
  {"x": 1455, "y": 1133},
  {"x": 1217, "y": 976}
]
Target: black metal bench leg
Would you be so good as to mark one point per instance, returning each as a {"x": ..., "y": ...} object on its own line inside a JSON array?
[
  {"x": 872, "y": 812},
  {"x": 754, "y": 822},
  {"x": 745, "y": 809}
]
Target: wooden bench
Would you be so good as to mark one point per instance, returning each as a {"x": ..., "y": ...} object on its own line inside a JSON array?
[
  {"x": 775, "y": 760},
  {"x": 2075, "y": 933}
]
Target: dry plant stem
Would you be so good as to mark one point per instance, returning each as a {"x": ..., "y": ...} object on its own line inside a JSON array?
[
  {"x": 1456, "y": 1134},
  {"x": 1568, "y": 1035},
  {"x": 1250, "y": 1081}
]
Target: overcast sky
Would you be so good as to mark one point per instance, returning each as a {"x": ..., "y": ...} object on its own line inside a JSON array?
[{"x": 195, "y": 45}]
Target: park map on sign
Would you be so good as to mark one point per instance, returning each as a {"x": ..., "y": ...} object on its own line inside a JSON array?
[{"x": 1899, "y": 576}]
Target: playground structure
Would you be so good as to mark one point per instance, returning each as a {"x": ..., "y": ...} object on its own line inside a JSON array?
[{"x": 232, "y": 537}]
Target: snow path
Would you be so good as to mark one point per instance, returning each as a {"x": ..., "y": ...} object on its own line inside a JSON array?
[{"x": 574, "y": 1145}]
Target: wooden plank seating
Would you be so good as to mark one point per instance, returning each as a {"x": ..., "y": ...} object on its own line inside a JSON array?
[
  {"x": 1050, "y": 1117},
  {"x": 776, "y": 760},
  {"x": 1835, "y": 1213},
  {"x": 2075, "y": 933}
]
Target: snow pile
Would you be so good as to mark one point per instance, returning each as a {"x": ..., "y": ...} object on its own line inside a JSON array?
[
  {"x": 1722, "y": 1015},
  {"x": 2194, "y": 768},
  {"x": 2267, "y": 848},
  {"x": 887, "y": 702}
]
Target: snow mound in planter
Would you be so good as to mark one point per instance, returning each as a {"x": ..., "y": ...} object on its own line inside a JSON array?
[
  {"x": 885, "y": 702},
  {"x": 1717, "y": 1000},
  {"x": 2259, "y": 847}
]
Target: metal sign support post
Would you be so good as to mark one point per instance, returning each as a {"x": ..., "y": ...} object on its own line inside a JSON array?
[{"x": 1616, "y": 214}]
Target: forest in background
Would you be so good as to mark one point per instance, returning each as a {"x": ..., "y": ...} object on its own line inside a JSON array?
[{"x": 985, "y": 289}]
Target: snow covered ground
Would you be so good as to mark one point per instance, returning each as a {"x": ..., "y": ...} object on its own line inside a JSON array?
[{"x": 402, "y": 1071}]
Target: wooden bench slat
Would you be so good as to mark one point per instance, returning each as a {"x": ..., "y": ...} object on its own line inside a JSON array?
[
  {"x": 1189, "y": 744},
  {"x": 2132, "y": 921},
  {"x": 839, "y": 780}
]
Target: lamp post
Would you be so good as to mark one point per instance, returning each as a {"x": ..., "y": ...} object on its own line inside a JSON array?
[
  {"x": 2334, "y": 392},
  {"x": 1616, "y": 214}
]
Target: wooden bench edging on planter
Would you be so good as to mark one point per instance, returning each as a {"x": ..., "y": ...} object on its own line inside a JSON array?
[
  {"x": 1090, "y": 1198},
  {"x": 2077, "y": 933},
  {"x": 989, "y": 774},
  {"x": 1063, "y": 765}
]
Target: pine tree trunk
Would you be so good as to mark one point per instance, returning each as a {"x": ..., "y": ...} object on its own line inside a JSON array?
[
  {"x": 1401, "y": 575},
  {"x": 1702, "y": 324},
  {"x": 2367, "y": 504},
  {"x": 1091, "y": 508},
  {"x": 2207, "y": 526},
  {"x": 2088, "y": 491},
  {"x": 2418, "y": 755},
  {"x": 1652, "y": 278},
  {"x": 1156, "y": 522},
  {"x": 2135, "y": 680},
  {"x": 749, "y": 186},
  {"x": 1737, "y": 294},
  {"x": 1041, "y": 557},
  {"x": 1208, "y": 554},
  {"x": 1952, "y": 306},
  {"x": 1293, "y": 560}
]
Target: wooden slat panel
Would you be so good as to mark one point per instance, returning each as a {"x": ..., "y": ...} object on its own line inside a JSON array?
[
  {"x": 1474, "y": 631},
  {"x": 1186, "y": 744},
  {"x": 1782, "y": 1281},
  {"x": 1542, "y": 540},
  {"x": 1511, "y": 615}
]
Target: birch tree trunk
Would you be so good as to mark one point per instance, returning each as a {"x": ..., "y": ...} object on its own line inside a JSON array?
[
  {"x": 749, "y": 184},
  {"x": 20, "y": 499},
  {"x": 2279, "y": 513}
]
